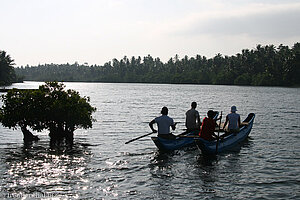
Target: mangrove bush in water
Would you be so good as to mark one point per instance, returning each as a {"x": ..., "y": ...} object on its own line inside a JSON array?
[
  {"x": 264, "y": 65},
  {"x": 49, "y": 107}
]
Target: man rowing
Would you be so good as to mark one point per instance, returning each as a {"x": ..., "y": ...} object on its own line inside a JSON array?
[
  {"x": 208, "y": 126},
  {"x": 164, "y": 122}
]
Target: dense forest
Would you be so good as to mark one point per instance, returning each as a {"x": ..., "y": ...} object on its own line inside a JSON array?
[
  {"x": 264, "y": 66},
  {"x": 7, "y": 73}
]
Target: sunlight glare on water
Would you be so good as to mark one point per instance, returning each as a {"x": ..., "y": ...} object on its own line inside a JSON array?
[{"x": 100, "y": 165}]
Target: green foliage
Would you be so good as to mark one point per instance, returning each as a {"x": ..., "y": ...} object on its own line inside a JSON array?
[
  {"x": 244, "y": 79},
  {"x": 15, "y": 108},
  {"x": 50, "y": 107},
  {"x": 224, "y": 78},
  {"x": 264, "y": 65},
  {"x": 7, "y": 73},
  {"x": 66, "y": 108},
  {"x": 262, "y": 79}
]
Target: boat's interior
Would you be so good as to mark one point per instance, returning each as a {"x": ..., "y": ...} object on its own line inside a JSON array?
[{"x": 250, "y": 116}]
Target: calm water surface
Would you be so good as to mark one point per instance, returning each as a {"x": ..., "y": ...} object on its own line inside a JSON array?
[{"x": 101, "y": 166}]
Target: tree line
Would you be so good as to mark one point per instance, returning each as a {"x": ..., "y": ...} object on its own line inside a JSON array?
[{"x": 262, "y": 66}]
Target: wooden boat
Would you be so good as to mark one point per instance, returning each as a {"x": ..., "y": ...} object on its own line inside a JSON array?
[
  {"x": 173, "y": 144},
  {"x": 228, "y": 142},
  {"x": 179, "y": 142}
]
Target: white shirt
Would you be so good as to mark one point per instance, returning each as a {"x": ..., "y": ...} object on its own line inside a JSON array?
[{"x": 163, "y": 123}]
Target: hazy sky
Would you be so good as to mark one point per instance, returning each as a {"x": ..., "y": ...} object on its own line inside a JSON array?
[{"x": 96, "y": 31}]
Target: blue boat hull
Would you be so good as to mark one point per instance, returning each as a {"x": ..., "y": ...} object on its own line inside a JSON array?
[
  {"x": 179, "y": 142},
  {"x": 227, "y": 143}
]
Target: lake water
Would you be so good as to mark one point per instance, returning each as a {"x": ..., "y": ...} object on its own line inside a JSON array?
[{"x": 101, "y": 166}]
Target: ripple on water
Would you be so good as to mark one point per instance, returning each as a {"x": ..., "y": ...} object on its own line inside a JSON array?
[
  {"x": 101, "y": 166},
  {"x": 37, "y": 168}
]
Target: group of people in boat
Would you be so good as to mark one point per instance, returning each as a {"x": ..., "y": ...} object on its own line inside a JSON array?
[{"x": 205, "y": 129}]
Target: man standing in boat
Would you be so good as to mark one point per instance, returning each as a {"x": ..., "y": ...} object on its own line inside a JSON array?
[
  {"x": 192, "y": 120},
  {"x": 164, "y": 122}
]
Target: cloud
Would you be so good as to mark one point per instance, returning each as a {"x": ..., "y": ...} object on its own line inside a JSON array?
[
  {"x": 256, "y": 20},
  {"x": 97, "y": 31}
]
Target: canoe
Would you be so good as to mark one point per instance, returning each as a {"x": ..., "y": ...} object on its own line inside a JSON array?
[
  {"x": 178, "y": 143},
  {"x": 228, "y": 142},
  {"x": 173, "y": 144}
]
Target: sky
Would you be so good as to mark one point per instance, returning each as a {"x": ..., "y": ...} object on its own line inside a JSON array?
[{"x": 96, "y": 31}]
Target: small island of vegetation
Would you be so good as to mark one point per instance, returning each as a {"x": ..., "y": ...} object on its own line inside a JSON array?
[{"x": 50, "y": 107}]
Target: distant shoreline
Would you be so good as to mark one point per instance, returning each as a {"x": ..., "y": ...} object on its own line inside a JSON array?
[
  {"x": 6, "y": 89},
  {"x": 262, "y": 66}
]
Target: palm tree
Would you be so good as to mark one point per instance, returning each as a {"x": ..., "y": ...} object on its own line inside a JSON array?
[{"x": 7, "y": 73}]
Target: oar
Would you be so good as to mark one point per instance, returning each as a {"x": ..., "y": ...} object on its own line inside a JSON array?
[
  {"x": 138, "y": 137},
  {"x": 218, "y": 134}
]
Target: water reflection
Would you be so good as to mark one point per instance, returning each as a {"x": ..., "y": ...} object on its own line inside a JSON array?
[
  {"x": 223, "y": 171},
  {"x": 161, "y": 164},
  {"x": 162, "y": 158},
  {"x": 264, "y": 166},
  {"x": 163, "y": 173},
  {"x": 200, "y": 175},
  {"x": 244, "y": 146},
  {"x": 39, "y": 170},
  {"x": 204, "y": 160}
]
